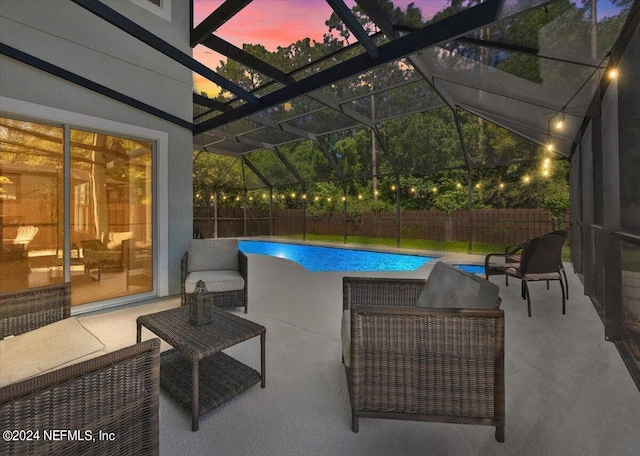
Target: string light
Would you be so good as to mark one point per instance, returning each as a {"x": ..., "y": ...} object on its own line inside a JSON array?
[
  {"x": 304, "y": 196},
  {"x": 344, "y": 198},
  {"x": 329, "y": 199},
  {"x": 393, "y": 187},
  {"x": 501, "y": 185},
  {"x": 559, "y": 125},
  {"x": 360, "y": 196},
  {"x": 526, "y": 179},
  {"x": 434, "y": 189},
  {"x": 560, "y": 122},
  {"x": 413, "y": 190},
  {"x": 293, "y": 195},
  {"x": 316, "y": 198},
  {"x": 478, "y": 185},
  {"x": 458, "y": 185},
  {"x": 376, "y": 193}
]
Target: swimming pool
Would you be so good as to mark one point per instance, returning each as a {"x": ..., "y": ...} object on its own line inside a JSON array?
[
  {"x": 471, "y": 268},
  {"x": 331, "y": 259}
]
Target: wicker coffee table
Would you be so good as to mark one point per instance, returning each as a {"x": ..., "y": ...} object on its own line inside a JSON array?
[{"x": 215, "y": 376}]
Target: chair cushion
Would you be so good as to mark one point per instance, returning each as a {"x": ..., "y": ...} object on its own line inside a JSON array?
[
  {"x": 346, "y": 337},
  {"x": 44, "y": 349},
  {"x": 213, "y": 255},
  {"x": 115, "y": 239},
  {"x": 450, "y": 287},
  {"x": 214, "y": 280}
]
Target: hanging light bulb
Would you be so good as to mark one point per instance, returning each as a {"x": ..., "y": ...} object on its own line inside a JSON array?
[
  {"x": 613, "y": 73},
  {"x": 550, "y": 147},
  {"x": 560, "y": 122}
]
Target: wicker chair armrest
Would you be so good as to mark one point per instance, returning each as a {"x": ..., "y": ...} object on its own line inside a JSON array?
[
  {"x": 31, "y": 308},
  {"x": 361, "y": 291},
  {"x": 243, "y": 265},
  {"x": 183, "y": 277},
  {"x": 487, "y": 259},
  {"x": 120, "y": 389}
]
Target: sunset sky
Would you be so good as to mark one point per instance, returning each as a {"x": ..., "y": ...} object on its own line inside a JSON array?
[{"x": 274, "y": 23}]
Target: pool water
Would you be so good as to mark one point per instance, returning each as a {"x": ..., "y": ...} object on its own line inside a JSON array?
[
  {"x": 315, "y": 258},
  {"x": 471, "y": 268}
]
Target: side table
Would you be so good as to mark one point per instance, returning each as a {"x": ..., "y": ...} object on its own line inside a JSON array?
[{"x": 215, "y": 376}]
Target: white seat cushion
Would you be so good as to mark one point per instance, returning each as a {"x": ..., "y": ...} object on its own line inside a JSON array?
[
  {"x": 214, "y": 280},
  {"x": 45, "y": 349}
]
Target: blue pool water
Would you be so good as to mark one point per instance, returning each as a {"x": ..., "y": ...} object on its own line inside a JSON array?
[
  {"x": 325, "y": 259},
  {"x": 471, "y": 268}
]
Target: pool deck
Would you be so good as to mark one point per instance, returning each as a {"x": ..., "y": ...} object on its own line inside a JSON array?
[{"x": 567, "y": 389}]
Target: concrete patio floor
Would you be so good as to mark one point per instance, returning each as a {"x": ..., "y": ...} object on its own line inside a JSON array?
[{"x": 567, "y": 389}]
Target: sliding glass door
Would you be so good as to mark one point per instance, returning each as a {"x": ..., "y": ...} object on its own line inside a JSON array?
[
  {"x": 110, "y": 218},
  {"x": 31, "y": 204}
]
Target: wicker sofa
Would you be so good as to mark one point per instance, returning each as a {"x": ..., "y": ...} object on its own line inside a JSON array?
[
  {"x": 107, "y": 404},
  {"x": 425, "y": 350}
]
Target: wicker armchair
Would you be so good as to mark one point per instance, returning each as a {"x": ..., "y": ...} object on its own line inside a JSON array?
[
  {"x": 221, "y": 266},
  {"x": 116, "y": 393},
  {"x": 421, "y": 363}
]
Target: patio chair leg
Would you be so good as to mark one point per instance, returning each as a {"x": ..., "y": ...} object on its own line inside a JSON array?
[
  {"x": 500, "y": 434},
  {"x": 526, "y": 292},
  {"x": 354, "y": 423},
  {"x": 563, "y": 300},
  {"x": 547, "y": 284},
  {"x": 565, "y": 281},
  {"x": 522, "y": 293}
]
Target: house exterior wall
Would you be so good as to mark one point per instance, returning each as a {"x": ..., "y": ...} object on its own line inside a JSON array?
[{"x": 68, "y": 36}]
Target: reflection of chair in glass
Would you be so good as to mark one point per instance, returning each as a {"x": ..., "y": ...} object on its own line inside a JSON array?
[
  {"x": 221, "y": 266},
  {"x": 99, "y": 255},
  {"x": 24, "y": 235},
  {"x": 540, "y": 260},
  {"x": 137, "y": 264}
]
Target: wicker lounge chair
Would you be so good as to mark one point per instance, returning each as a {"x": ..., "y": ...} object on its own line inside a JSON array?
[
  {"x": 221, "y": 266},
  {"x": 116, "y": 393},
  {"x": 541, "y": 260},
  {"x": 411, "y": 354}
]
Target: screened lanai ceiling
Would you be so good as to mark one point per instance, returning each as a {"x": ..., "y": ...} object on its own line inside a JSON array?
[{"x": 303, "y": 75}]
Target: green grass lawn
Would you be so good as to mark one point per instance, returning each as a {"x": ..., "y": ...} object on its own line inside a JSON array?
[{"x": 479, "y": 248}]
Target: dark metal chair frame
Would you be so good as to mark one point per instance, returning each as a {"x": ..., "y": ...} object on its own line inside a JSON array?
[{"x": 540, "y": 260}]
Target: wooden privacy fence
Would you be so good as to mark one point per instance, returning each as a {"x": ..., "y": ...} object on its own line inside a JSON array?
[{"x": 505, "y": 226}]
